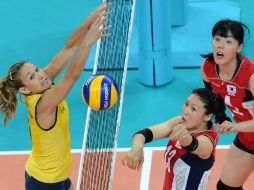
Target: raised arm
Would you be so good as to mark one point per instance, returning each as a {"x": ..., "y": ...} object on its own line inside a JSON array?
[
  {"x": 52, "y": 97},
  {"x": 74, "y": 42}
]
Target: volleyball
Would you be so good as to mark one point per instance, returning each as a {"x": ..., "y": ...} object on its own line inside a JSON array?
[{"x": 100, "y": 92}]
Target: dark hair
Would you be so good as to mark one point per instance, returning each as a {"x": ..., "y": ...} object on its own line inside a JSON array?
[
  {"x": 223, "y": 27},
  {"x": 9, "y": 87},
  {"x": 214, "y": 104}
]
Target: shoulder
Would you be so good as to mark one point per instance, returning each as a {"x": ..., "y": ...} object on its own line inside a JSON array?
[
  {"x": 208, "y": 65},
  {"x": 211, "y": 134},
  {"x": 246, "y": 70},
  {"x": 246, "y": 64},
  {"x": 32, "y": 99},
  {"x": 246, "y": 59}
]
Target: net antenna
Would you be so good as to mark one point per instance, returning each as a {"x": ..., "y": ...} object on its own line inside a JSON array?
[{"x": 102, "y": 127}]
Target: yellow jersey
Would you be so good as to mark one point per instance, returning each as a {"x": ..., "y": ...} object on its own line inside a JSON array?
[{"x": 50, "y": 159}]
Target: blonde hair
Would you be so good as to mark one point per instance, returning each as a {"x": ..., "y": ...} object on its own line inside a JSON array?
[{"x": 9, "y": 86}]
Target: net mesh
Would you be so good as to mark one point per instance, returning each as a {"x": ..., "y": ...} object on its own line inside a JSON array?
[{"x": 100, "y": 138}]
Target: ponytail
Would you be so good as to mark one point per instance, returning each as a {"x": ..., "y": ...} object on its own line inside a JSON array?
[
  {"x": 9, "y": 87},
  {"x": 214, "y": 104},
  {"x": 219, "y": 109},
  {"x": 8, "y": 100}
]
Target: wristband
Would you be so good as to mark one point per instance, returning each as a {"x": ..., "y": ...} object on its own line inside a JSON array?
[
  {"x": 192, "y": 146},
  {"x": 147, "y": 133}
]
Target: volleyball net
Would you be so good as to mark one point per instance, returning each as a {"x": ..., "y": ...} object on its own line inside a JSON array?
[{"x": 101, "y": 132}]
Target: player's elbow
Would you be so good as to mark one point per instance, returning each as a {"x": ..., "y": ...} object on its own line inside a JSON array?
[
  {"x": 205, "y": 152},
  {"x": 204, "y": 156}
]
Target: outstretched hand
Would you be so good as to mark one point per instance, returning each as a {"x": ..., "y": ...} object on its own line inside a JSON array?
[
  {"x": 97, "y": 30},
  {"x": 100, "y": 11},
  {"x": 76, "y": 39},
  {"x": 134, "y": 158}
]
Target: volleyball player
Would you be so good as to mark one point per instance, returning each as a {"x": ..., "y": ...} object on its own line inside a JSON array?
[
  {"x": 189, "y": 155},
  {"x": 49, "y": 165},
  {"x": 230, "y": 74}
]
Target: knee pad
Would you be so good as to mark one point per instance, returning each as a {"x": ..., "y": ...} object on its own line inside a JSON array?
[{"x": 222, "y": 186}]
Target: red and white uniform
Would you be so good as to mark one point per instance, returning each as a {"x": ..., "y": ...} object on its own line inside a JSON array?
[
  {"x": 236, "y": 93},
  {"x": 187, "y": 171}
]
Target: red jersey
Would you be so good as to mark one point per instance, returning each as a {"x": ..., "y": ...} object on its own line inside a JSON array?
[
  {"x": 236, "y": 93},
  {"x": 185, "y": 170}
]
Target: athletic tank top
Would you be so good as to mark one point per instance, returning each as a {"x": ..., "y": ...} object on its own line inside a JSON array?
[
  {"x": 187, "y": 171},
  {"x": 50, "y": 159},
  {"x": 236, "y": 93}
]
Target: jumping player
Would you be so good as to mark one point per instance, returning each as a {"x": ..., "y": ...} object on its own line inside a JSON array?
[{"x": 49, "y": 165}]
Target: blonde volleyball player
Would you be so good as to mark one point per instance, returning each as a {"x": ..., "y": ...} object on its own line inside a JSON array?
[
  {"x": 49, "y": 165},
  {"x": 189, "y": 155}
]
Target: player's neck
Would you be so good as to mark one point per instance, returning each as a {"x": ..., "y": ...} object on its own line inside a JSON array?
[
  {"x": 226, "y": 71},
  {"x": 203, "y": 127}
]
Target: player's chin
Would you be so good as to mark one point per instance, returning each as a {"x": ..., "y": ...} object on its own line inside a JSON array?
[
  {"x": 219, "y": 61},
  {"x": 45, "y": 88}
]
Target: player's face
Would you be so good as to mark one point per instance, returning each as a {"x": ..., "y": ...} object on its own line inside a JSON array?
[
  {"x": 194, "y": 116},
  {"x": 225, "y": 49},
  {"x": 35, "y": 80}
]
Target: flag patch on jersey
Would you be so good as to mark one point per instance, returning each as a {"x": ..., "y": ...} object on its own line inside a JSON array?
[{"x": 231, "y": 90}]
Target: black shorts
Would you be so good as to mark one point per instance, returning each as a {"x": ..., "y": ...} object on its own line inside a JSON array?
[
  {"x": 33, "y": 184},
  {"x": 239, "y": 145}
]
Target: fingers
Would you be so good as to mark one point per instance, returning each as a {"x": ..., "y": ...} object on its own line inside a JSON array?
[
  {"x": 178, "y": 132},
  {"x": 99, "y": 21},
  {"x": 226, "y": 127},
  {"x": 139, "y": 164},
  {"x": 135, "y": 163},
  {"x": 106, "y": 13},
  {"x": 99, "y": 13},
  {"x": 102, "y": 9},
  {"x": 174, "y": 135},
  {"x": 109, "y": 4},
  {"x": 102, "y": 31},
  {"x": 105, "y": 28},
  {"x": 132, "y": 163},
  {"x": 104, "y": 6},
  {"x": 100, "y": 24},
  {"x": 178, "y": 136},
  {"x": 123, "y": 160}
]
